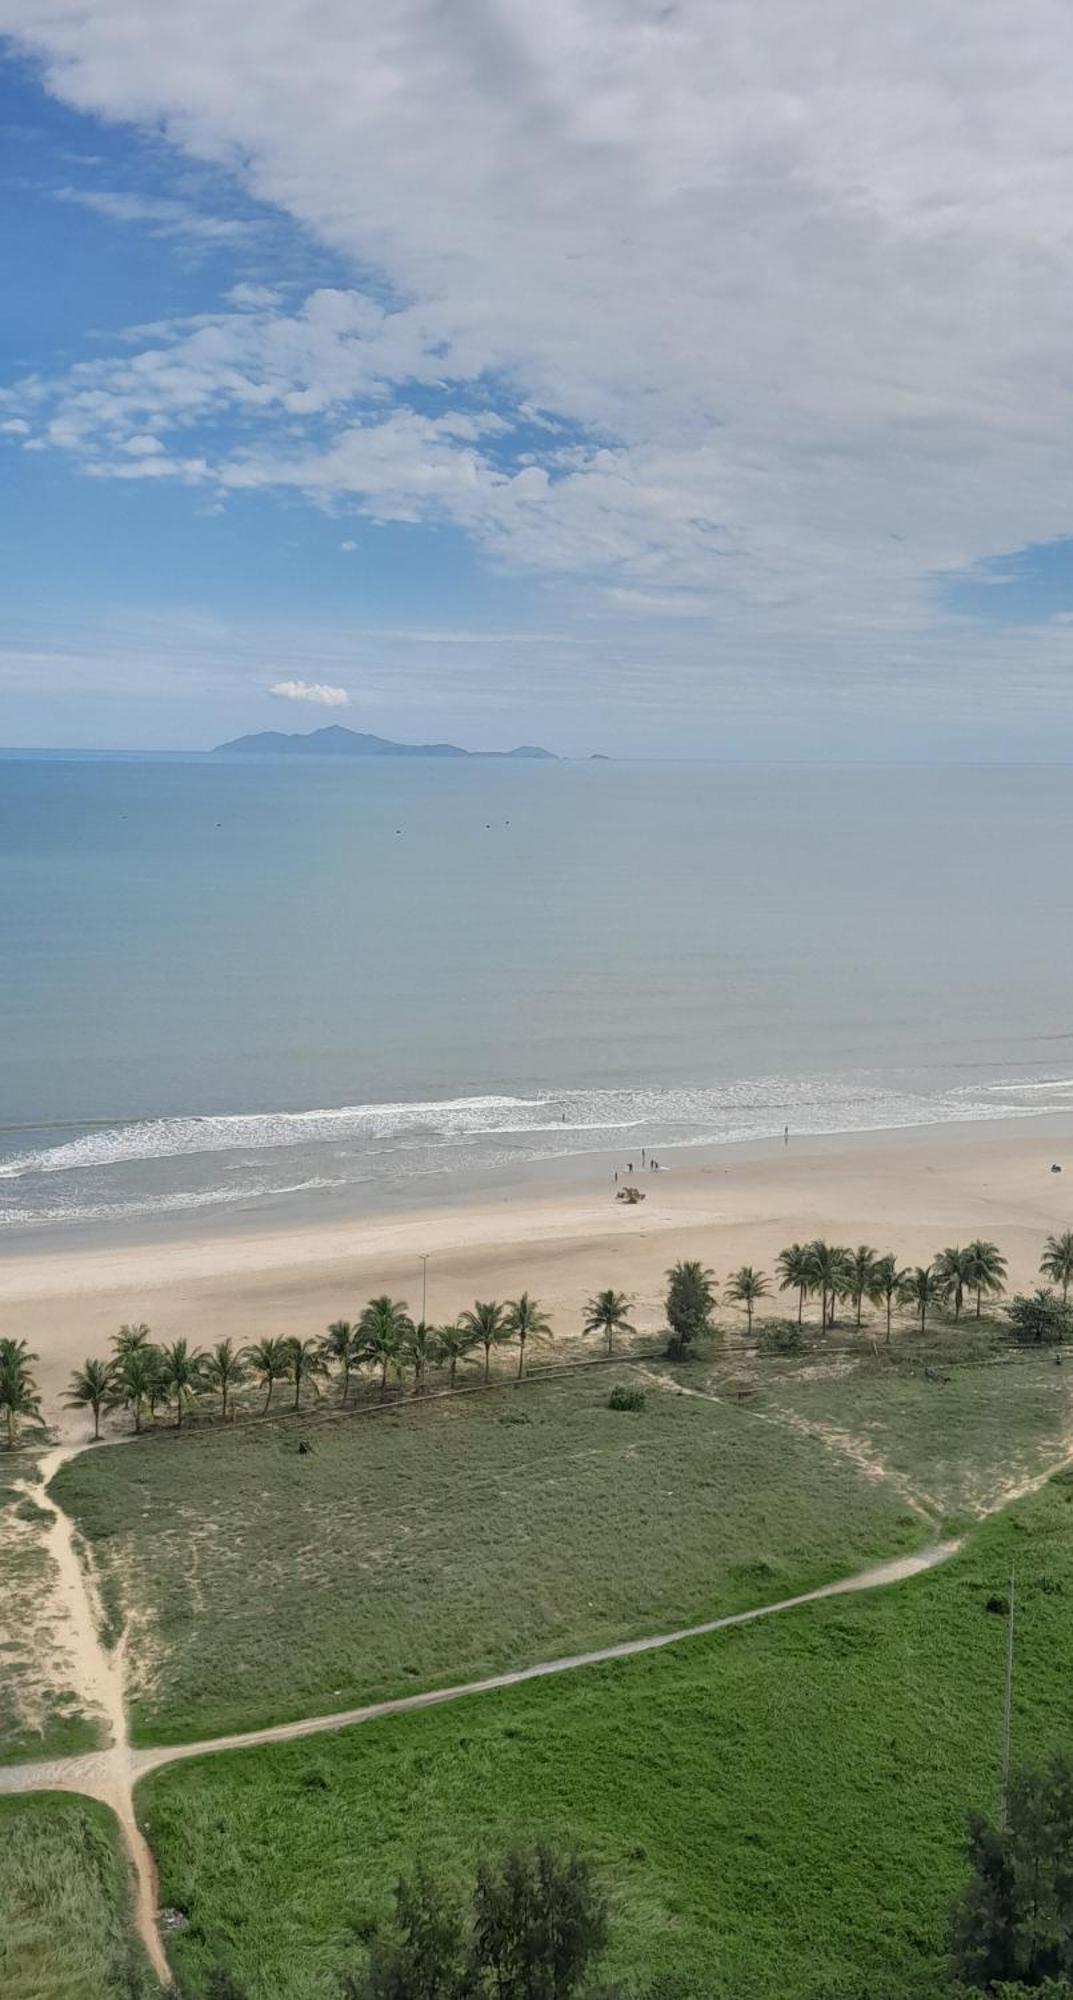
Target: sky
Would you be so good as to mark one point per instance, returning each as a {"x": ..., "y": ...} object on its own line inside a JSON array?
[{"x": 691, "y": 378}]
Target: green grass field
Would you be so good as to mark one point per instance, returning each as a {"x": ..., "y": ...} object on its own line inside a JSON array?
[
  {"x": 778, "y": 1809},
  {"x": 437, "y": 1542},
  {"x": 38, "y": 1711},
  {"x": 64, "y": 1903}
]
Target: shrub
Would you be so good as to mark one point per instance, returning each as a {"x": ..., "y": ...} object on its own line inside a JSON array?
[
  {"x": 624, "y": 1398},
  {"x": 781, "y": 1336},
  {"x": 1041, "y": 1318}
]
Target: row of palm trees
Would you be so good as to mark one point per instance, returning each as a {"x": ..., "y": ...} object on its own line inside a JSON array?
[{"x": 140, "y": 1376}]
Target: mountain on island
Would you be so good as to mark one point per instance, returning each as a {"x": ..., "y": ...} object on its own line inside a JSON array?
[{"x": 335, "y": 741}]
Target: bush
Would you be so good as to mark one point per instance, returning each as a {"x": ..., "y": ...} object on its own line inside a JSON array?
[
  {"x": 624, "y": 1398},
  {"x": 1041, "y": 1319},
  {"x": 781, "y": 1336}
]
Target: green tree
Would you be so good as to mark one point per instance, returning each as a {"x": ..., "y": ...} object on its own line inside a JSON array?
[
  {"x": 888, "y": 1283},
  {"x": 91, "y": 1389},
  {"x": 608, "y": 1313},
  {"x": 690, "y": 1303},
  {"x": 486, "y": 1320},
  {"x": 860, "y": 1277},
  {"x": 136, "y": 1380},
  {"x": 539, "y": 1922},
  {"x": 987, "y": 1271},
  {"x": 1013, "y": 1919},
  {"x": 953, "y": 1269},
  {"x": 421, "y": 1952},
  {"x": 794, "y": 1266},
  {"x": 225, "y": 1371},
  {"x": 920, "y": 1290},
  {"x": 1056, "y": 1262},
  {"x": 745, "y": 1288},
  {"x": 384, "y": 1327},
  {"x": 525, "y": 1320},
  {"x": 1042, "y": 1317},
  {"x": 456, "y": 1343},
  {"x": 829, "y": 1269},
  {"x": 182, "y": 1375},
  {"x": 130, "y": 1337},
  {"x": 340, "y": 1346},
  {"x": 305, "y": 1362},
  {"x": 19, "y": 1398},
  {"x": 271, "y": 1363},
  {"x": 421, "y": 1348}
]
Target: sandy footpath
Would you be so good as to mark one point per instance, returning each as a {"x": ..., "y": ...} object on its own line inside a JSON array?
[{"x": 910, "y": 1193}]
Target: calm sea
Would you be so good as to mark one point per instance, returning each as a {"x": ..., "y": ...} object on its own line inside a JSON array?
[{"x": 225, "y": 983}]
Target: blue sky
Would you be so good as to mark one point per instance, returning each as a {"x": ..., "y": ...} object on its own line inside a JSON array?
[{"x": 658, "y": 379}]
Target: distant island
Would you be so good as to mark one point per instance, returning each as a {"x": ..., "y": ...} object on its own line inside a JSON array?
[{"x": 335, "y": 741}]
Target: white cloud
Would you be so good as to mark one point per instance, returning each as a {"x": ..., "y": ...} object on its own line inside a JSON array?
[
  {"x": 161, "y": 215},
  {"x": 779, "y": 295},
  {"x": 315, "y": 691}
]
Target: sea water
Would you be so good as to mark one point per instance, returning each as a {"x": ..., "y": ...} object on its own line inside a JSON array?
[{"x": 224, "y": 983}]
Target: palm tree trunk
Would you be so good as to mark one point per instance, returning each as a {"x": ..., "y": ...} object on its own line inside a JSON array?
[
  {"x": 223, "y": 1398},
  {"x": 179, "y": 1411},
  {"x": 923, "y": 1316},
  {"x": 979, "y": 1294},
  {"x": 383, "y": 1379},
  {"x": 890, "y": 1300},
  {"x": 487, "y": 1359},
  {"x": 860, "y": 1303},
  {"x": 268, "y": 1398},
  {"x": 521, "y": 1355},
  {"x": 137, "y": 1416},
  {"x": 96, "y": 1422},
  {"x": 346, "y": 1381},
  {"x": 297, "y": 1391},
  {"x": 610, "y": 1336},
  {"x": 749, "y": 1314},
  {"x": 800, "y": 1303},
  {"x": 451, "y": 1376}
]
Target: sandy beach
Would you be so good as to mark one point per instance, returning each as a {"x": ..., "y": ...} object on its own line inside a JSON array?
[{"x": 910, "y": 1192}]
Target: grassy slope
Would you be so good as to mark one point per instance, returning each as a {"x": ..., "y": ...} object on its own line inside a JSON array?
[
  {"x": 779, "y": 1809},
  {"x": 35, "y": 1718},
  {"x": 64, "y": 1895},
  {"x": 444, "y": 1541}
]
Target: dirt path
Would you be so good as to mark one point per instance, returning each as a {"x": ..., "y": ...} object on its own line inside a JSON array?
[
  {"x": 99, "y": 1677},
  {"x": 96, "y": 1772}
]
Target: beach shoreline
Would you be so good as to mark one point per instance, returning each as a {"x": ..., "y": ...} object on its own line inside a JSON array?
[{"x": 561, "y": 1236}]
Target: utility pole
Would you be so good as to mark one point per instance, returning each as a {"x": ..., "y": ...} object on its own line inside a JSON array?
[{"x": 1007, "y": 1714}]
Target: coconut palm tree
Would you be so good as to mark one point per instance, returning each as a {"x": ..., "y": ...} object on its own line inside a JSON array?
[
  {"x": 136, "y": 1381},
  {"x": 225, "y": 1371},
  {"x": 744, "y": 1288},
  {"x": 1056, "y": 1262},
  {"x": 182, "y": 1376},
  {"x": 829, "y": 1267},
  {"x": 91, "y": 1389},
  {"x": 340, "y": 1346},
  {"x": 888, "y": 1283},
  {"x": 794, "y": 1267},
  {"x": 860, "y": 1274},
  {"x": 527, "y": 1320},
  {"x": 131, "y": 1336},
  {"x": 305, "y": 1361},
  {"x": 455, "y": 1343},
  {"x": 691, "y": 1295},
  {"x": 486, "y": 1321},
  {"x": 987, "y": 1271},
  {"x": 420, "y": 1347},
  {"x": 609, "y": 1313},
  {"x": 271, "y": 1363},
  {"x": 921, "y": 1289},
  {"x": 19, "y": 1400},
  {"x": 384, "y": 1326},
  {"x": 953, "y": 1270}
]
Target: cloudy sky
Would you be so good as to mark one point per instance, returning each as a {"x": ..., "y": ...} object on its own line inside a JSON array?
[{"x": 651, "y": 375}]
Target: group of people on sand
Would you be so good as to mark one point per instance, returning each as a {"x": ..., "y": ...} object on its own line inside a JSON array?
[{"x": 652, "y": 1165}]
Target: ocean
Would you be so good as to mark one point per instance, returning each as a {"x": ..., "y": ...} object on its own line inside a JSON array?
[{"x": 228, "y": 985}]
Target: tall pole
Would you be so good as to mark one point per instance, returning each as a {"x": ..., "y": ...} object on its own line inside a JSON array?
[
  {"x": 424, "y": 1290},
  {"x": 1007, "y": 1713}
]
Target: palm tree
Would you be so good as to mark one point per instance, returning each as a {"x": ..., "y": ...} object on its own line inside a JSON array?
[
  {"x": 1056, "y": 1262},
  {"x": 920, "y": 1289},
  {"x": 271, "y": 1363},
  {"x": 888, "y": 1283},
  {"x": 860, "y": 1275},
  {"x": 609, "y": 1313},
  {"x": 339, "y": 1345},
  {"x": 794, "y": 1267},
  {"x": 181, "y": 1373},
  {"x": 383, "y": 1327},
  {"x": 528, "y": 1320},
  {"x": 225, "y": 1371},
  {"x": 485, "y": 1321},
  {"x": 456, "y": 1343},
  {"x": 19, "y": 1399},
  {"x": 691, "y": 1293},
  {"x": 136, "y": 1380},
  {"x": 987, "y": 1271},
  {"x": 305, "y": 1361},
  {"x": 129, "y": 1337},
  {"x": 91, "y": 1389},
  {"x": 744, "y": 1288},
  {"x": 953, "y": 1269},
  {"x": 420, "y": 1347},
  {"x": 829, "y": 1267}
]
